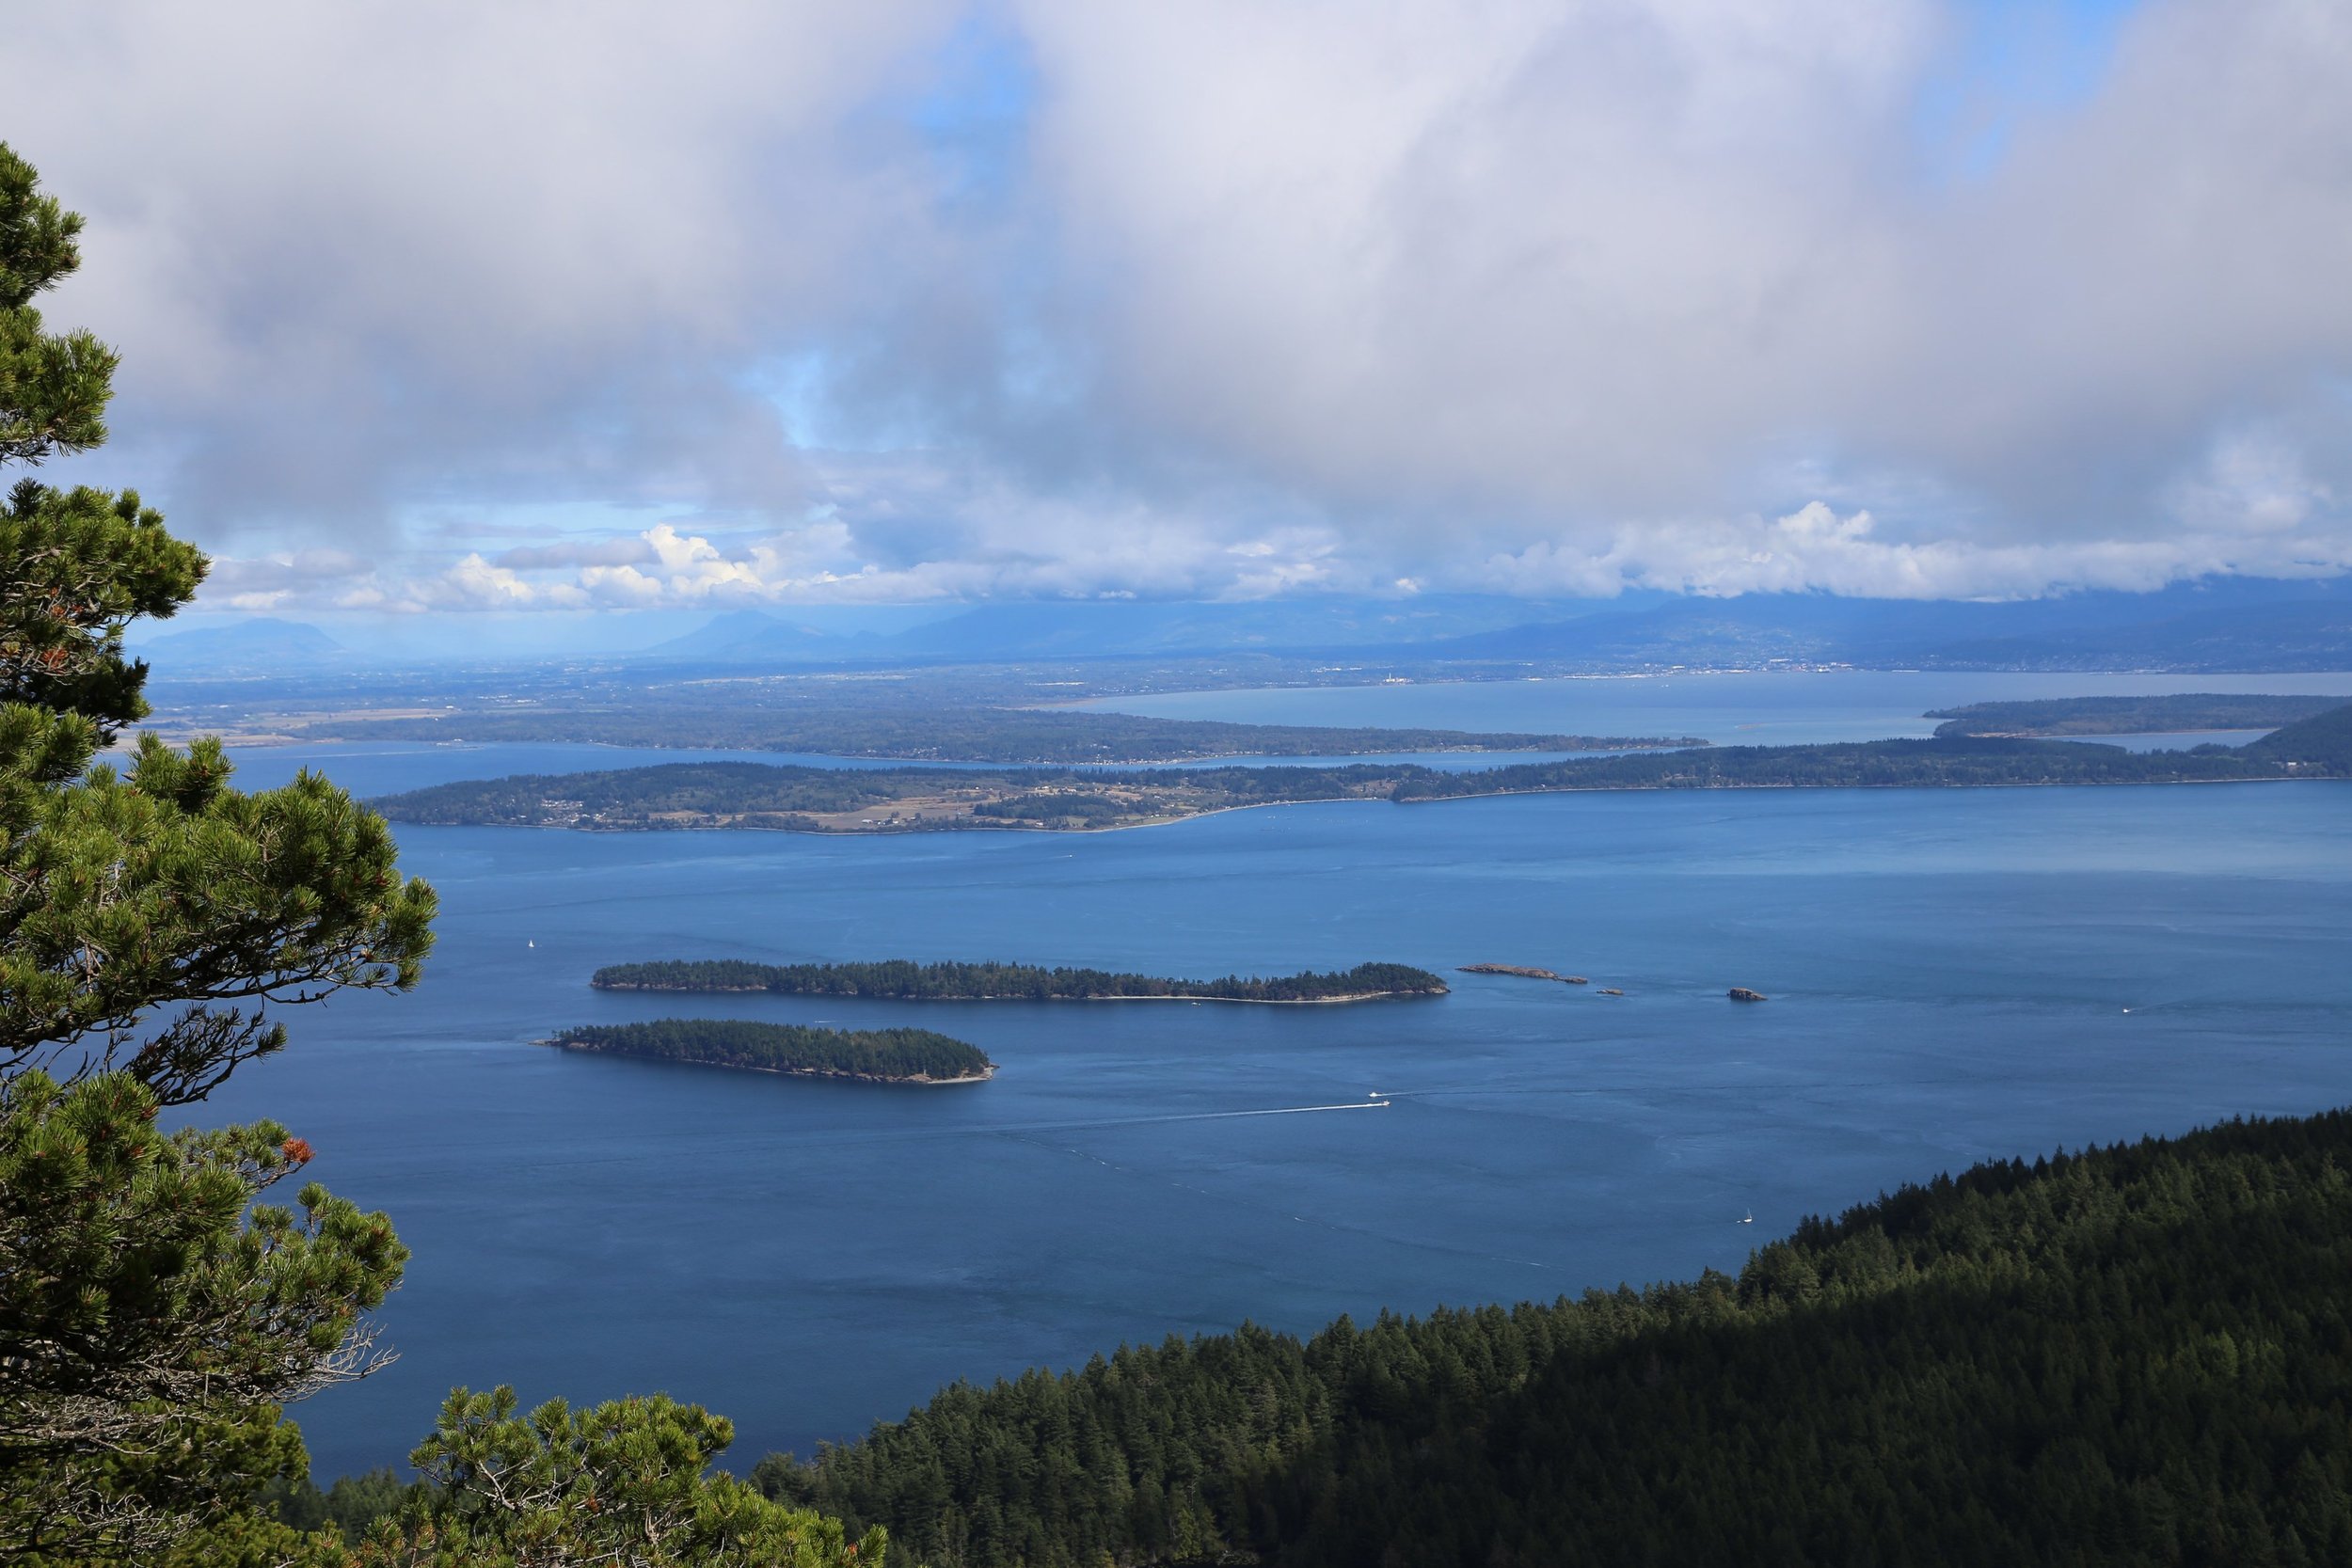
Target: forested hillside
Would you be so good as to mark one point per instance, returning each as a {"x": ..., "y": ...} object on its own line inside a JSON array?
[{"x": 2137, "y": 1354}]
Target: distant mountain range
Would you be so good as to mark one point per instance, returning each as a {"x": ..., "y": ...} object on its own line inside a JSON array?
[
  {"x": 1093, "y": 628},
  {"x": 263, "y": 645},
  {"x": 2218, "y": 624},
  {"x": 2227, "y": 624},
  {"x": 756, "y": 636}
]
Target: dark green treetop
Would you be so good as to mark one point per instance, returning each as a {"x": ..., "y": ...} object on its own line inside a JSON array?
[
  {"x": 54, "y": 387},
  {"x": 81, "y": 561}
]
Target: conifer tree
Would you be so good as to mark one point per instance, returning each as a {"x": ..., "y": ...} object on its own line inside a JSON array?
[
  {"x": 622, "y": 1484},
  {"x": 154, "y": 1314}
]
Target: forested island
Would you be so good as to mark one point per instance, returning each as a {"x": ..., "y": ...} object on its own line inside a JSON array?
[
  {"x": 868, "y": 1055},
  {"x": 2135, "y": 1355},
  {"x": 906, "y": 800},
  {"x": 905, "y": 980},
  {"x": 2179, "y": 714}
]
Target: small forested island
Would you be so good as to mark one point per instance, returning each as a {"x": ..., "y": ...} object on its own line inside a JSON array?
[
  {"x": 868, "y": 1055},
  {"x": 902, "y": 979},
  {"x": 2177, "y": 714},
  {"x": 915, "y": 799},
  {"x": 2133, "y": 1355}
]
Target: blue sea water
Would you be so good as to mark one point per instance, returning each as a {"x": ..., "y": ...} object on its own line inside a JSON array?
[
  {"x": 1765, "y": 708},
  {"x": 1954, "y": 975}
]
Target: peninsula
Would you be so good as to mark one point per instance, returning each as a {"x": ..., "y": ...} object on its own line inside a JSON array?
[
  {"x": 902, "y": 979},
  {"x": 866, "y": 1056}
]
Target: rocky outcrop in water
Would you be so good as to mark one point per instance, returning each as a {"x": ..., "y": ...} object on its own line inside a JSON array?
[{"x": 1523, "y": 973}]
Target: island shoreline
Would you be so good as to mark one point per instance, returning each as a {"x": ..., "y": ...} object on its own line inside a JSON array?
[{"x": 912, "y": 1079}]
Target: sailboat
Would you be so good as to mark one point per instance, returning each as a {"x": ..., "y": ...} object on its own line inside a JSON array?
[{"x": 1749, "y": 1219}]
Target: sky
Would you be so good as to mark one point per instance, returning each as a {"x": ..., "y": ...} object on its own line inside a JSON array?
[{"x": 436, "y": 309}]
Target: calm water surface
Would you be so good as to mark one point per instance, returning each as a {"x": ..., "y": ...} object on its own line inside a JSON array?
[
  {"x": 1760, "y": 708},
  {"x": 1954, "y": 975}
]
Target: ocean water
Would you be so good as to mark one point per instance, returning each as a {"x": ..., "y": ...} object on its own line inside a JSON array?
[
  {"x": 1770, "y": 708},
  {"x": 1953, "y": 974}
]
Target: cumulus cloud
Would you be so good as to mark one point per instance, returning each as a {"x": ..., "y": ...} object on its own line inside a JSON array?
[{"x": 1232, "y": 300}]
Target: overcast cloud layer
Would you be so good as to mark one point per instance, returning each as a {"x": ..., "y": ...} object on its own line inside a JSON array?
[{"x": 441, "y": 305}]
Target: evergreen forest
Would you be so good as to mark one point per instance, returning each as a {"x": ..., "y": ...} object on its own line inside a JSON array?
[{"x": 2133, "y": 1355}]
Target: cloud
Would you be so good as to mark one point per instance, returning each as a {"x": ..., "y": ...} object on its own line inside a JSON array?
[
  {"x": 1046, "y": 297},
  {"x": 1008, "y": 546},
  {"x": 1815, "y": 548},
  {"x": 272, "y": 581},
  {"x": 361, "y": 256},
  {"x": 629, "y": 550},
  {"x": 1572, "y": 266}
]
